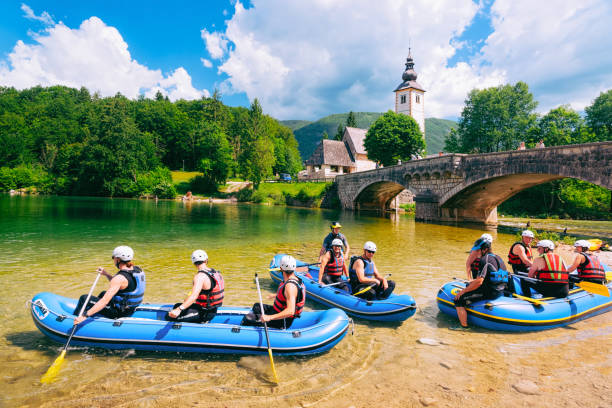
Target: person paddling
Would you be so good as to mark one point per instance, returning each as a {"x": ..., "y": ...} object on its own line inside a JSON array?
[
  {"x": 489, "y": 283},
  {"x": 206, "y": 294},
  {"x": 472, "y": 263},
  {"x": 288, "y": 303},
  {"x": 587, "y": 264},
  {"x": 550, "y": 270},
  {"x": 363, "y": 274},
  {"x": 520, "y": 256},
  {"x": 333, "y": 267},
  {"x": 125, "y": 291}
]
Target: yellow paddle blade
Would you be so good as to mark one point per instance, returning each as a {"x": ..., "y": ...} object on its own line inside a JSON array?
[
  {"x": 609, "y": 275},
  {"x": 528, "y": 299},
  {"x": 596, "y": 288},
  {"x": 272, "y": 364},
  {"x": 53, "y": 371}
]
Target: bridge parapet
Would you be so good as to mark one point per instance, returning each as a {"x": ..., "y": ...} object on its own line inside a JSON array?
[{"x": 462, "y": 187}]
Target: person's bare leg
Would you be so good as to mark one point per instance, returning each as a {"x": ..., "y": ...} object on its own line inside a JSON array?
[{"x": 462, "y": 315}]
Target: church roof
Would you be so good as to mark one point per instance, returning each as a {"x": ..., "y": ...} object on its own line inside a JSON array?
[
  {"x": 354, "y": 137},
  {"x": 331, "y": 152},
  {"x": 409, "y": 76}
]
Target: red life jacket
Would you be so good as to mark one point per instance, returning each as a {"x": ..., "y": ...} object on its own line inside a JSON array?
[
  {"x": 212, "y": 297},
  {"x": 591, "y": 268},
  {"x": 280, "y": 303},
  {"x": 554, "y": 271},
  {"x": 514, "y": 259},
  {"x": 475, "y": 267},
  {"x": 334, "y": 268}
]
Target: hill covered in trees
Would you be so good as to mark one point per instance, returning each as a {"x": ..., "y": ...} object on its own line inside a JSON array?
[{"x": 309, "y": 134}]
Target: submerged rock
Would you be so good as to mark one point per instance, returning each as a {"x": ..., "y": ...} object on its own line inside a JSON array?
[
  {"x": 427, "y": 401},
  {"x": 526, "y": 387},
  {"x": 446, "y": 365},
  {"x": 429, "y": 342}
]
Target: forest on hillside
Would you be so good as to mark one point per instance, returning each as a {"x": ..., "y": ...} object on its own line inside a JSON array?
[{"x": 67, "y": 141}]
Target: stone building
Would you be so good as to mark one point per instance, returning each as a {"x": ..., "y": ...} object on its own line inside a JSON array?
[{"x": 333, "y": 157}]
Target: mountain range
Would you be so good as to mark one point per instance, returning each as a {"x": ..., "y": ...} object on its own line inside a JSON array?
[{"x": 309, "y": 134}]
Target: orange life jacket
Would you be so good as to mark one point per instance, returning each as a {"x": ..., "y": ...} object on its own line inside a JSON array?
[
  {"x": 591, "y": 268},
  {"x": 212, "y": 297},
  {"x": 554, "y": 271},
  {"x": 515, "y": 259},
  {"x": 334, "y": 268},
  {"x": 280, "y": 303}
]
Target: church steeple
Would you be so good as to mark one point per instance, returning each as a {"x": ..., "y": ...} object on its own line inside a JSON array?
[{"x": 409, "y": 74}]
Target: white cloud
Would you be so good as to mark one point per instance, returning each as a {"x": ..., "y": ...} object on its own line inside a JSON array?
[
  {"x": 216, "y": 43},
  {"x": 309, "y": 59},
  {"x": 95, "y": 56},
  {"x": 44, "y": 17},
  {"x": 206, "y": 63},
  {"x": 561, "y": 48}
]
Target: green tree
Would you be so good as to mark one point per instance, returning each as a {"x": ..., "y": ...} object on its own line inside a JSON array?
[
  {"x": 560, "y": 126},
  {"x": 257, "y": 158},
  {"x": 599, "y": 116},
  {"x": 324, "y": 136},
  {"x": 339, "y": 132},
  {"x": 494, "y": 119},
  {"x": 393, "y": 137},
  {"x": 214, "y": 155},
  {"x": 350, "y": 120}
]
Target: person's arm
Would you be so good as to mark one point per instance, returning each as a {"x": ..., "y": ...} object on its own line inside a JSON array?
[
  {"x": 347, "y": 254},
  {"x": 378, "y": 276},
  {"x": 326, "y": 241},
  {"x": 468, "y": 263},
  {"x": 577, "y": 261},
  {"x": 200, "y": 282},
  {"x": 473, "y": 285},
  {"x": 534, "y": 267},
  {"x": 522, "y": 255},
  {"x": 115, "y": 286},
  {"x": 102, "y": 271},
  {"x": 291, "y": 295},
  {"x": 324, "y": 260},
  {"x": 359, "y": 270}
]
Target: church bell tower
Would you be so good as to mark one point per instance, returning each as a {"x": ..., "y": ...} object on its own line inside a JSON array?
[{"x": 410, "y": 96}]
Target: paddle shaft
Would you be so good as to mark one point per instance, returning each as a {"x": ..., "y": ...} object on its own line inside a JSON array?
[
  {"x": 261, "y": 309},
  {"x": 370, "y": 287},
  {"x": 83, "y": 309}
]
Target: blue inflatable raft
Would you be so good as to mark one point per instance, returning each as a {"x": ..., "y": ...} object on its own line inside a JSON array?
[
  {"x": 146, "y": 329},
  {"x": 509, "y": 313},
  {"x": 395, "y": 308}
]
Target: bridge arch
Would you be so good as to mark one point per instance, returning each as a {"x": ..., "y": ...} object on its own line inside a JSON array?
[{"x": 377, "y": 195}]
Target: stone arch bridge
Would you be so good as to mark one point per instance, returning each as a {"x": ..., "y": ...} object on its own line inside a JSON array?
[{"x": 460, "y": 187}]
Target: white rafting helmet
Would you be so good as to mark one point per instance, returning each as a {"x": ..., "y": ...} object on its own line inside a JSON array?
[
  {"x": 337, "y": 242},
  {"x": 369, "y": 246},
  {"x": 287, "y": 263},
  {"x": 546, "y": 243},
  {"x": 199, "y": 255},
  {"x": 124, "y": 253},
  {"x": 487, "y": 237},
  {"x": 582, "y": 243},
  {"x": 527, "y": 233}
]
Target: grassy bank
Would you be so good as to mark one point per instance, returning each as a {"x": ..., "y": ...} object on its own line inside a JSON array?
[{"x": 301, "y": 194}]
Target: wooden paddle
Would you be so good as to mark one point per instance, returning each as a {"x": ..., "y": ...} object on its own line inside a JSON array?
[
  {"x": 297, "y": 267},
  {"x": 369, "y": 287},
  {"x": 53, "y": 371},
  {"x": 528, "y": 299},
  {"x": 261, "y": 309}
]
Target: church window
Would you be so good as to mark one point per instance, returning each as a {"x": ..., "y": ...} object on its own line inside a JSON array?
[
  {"x": 403, "y": 99},
  {"x": 418, "y": 99}
]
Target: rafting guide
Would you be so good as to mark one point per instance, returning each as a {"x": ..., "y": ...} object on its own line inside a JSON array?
[{"x": 329, "y": 238}]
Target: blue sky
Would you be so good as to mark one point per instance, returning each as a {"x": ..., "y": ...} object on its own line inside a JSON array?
[{"x": 308, "y": 59}]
